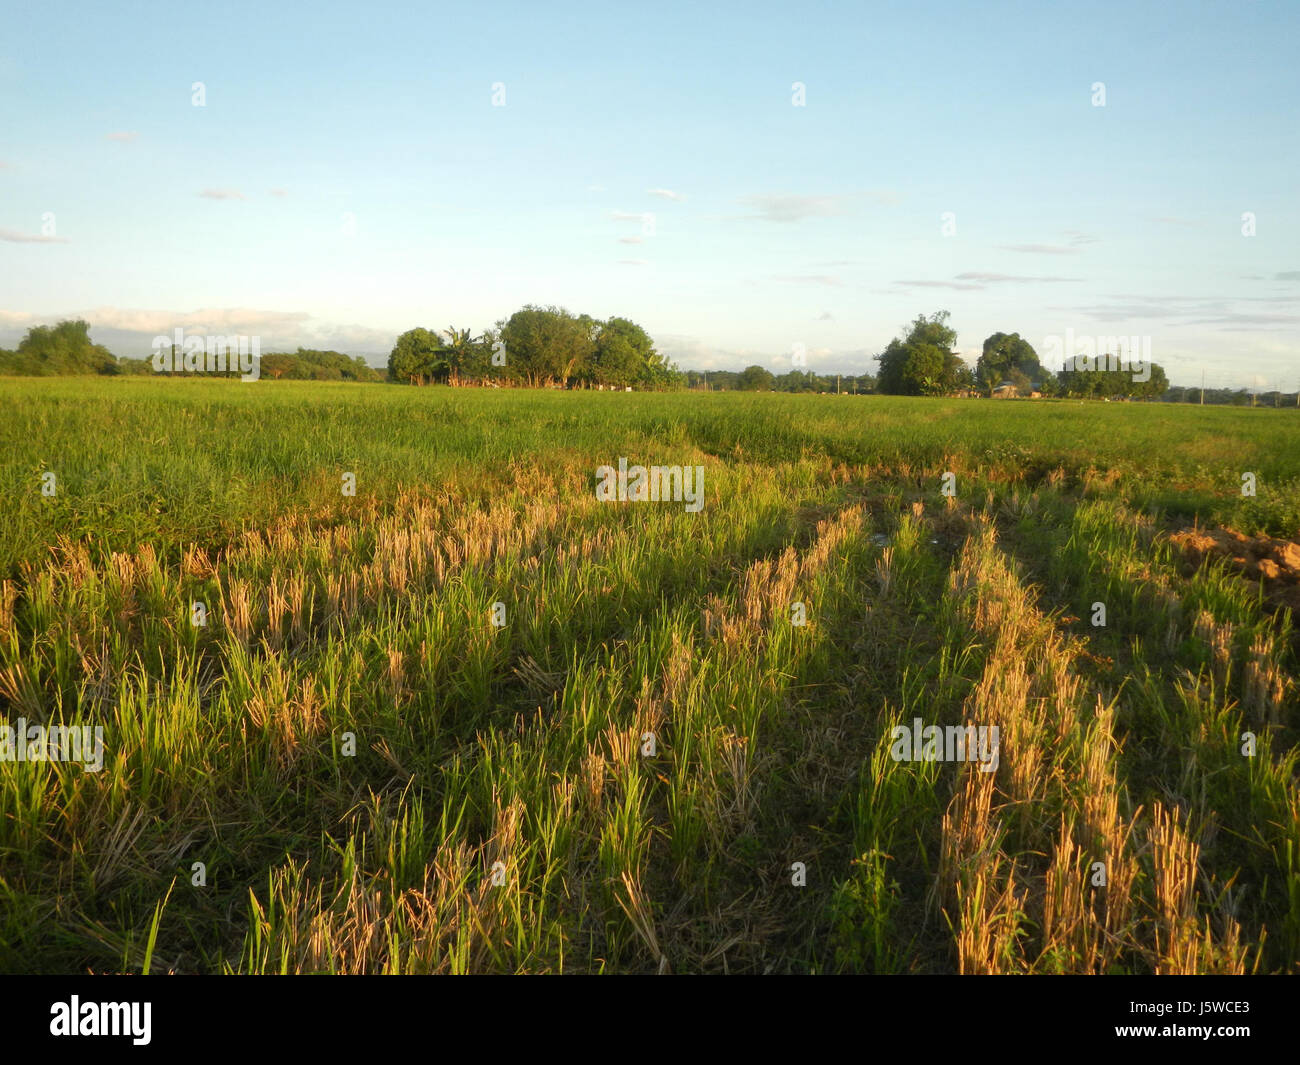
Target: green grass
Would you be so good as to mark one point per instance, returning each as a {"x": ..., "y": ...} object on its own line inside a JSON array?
[{"x": 364, "y": 620}]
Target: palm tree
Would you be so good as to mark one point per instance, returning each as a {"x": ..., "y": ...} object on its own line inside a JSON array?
[{"x": 459, "y": 351}]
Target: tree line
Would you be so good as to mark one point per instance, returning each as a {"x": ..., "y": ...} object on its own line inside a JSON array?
[
  {"x": 66, "y": 348},
  {"x": 536, "y": 347},
  {"x": 760, "y": 379},
  {"x": 922, "y": 363},
  {"x": 540, "y": 347}
]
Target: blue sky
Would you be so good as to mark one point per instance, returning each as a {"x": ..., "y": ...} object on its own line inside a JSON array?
[{"x": 350, "y": 178}]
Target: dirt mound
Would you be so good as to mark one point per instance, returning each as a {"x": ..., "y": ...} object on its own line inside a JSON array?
[{"x": 1260, "y": 558}]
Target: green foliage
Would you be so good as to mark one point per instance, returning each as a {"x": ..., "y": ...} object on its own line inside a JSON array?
[
  {"x": 755, "y": 379},
  {"x": 1008, "y": 357},
  {"x": 50, "y": 350},
  {"x": 416, "y": 357},
  {"x": 922, "y": 364},
  {"x": 310, "y": 365},
  {"x": 623, "y": 355},
  {"x": 546, "y": 345},
  {"x": 543, "y": 346},
  {"x": 1102, "y": 382}
]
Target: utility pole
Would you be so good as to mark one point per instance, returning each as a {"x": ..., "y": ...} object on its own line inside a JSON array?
[
  {"x": 1202, "y": 388},
  {"x": 837, "y": 384}
]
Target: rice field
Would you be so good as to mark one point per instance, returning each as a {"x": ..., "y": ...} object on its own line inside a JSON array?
[{"x": 444, "y": 710}]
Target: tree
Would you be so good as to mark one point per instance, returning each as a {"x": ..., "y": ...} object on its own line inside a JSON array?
[
  {"x": 756, "y": 379},
  {"x": 623, "y": 354},
  {"x": 1003, "y": 353},
  {"x": 988, "y": 377},
  {"x": 956, "y": 374},
  {"x": 1156, "y": 385},
  {"x": 416, "y": 357},
  {"x": 921, "y": 364},
  {"x": 462, "y": 353},
  {"x": 275, "y": 366},
  {"x": 65, "y": 348},
  {"x": 545, "y": 345}
]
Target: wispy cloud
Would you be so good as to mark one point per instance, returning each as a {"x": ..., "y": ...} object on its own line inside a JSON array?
[
  {"x": 1287, "y": 275},
  {"x": 627, "y": 216},
  {"x": 956, "y": 285},
  {"x": 1199, "y": 311},
  {"x": 279, "y": 192},
  {"x": 826, "y": 316},
  {"x": 998, "y": 278},
  {"x": 793, "y": 208},
  {"x": 123, "y": 137},
  {"x": 209, "y": 319},
  {"x": 14, "y": 237},
  {"x": 1078, "y": 239},
  {"x": 630, "y": 240},
  {"x": 222, "y": 194},
  {"x": 595, "y": 188},
  {"x": 666, "y": 194},
  {"x": 1039, "y": 249},
  {"x": 808, "y": 279},
  {"x": 632, "y": 262}
]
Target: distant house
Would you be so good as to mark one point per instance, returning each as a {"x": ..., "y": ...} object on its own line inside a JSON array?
[{"x": 1006, "y": 390}]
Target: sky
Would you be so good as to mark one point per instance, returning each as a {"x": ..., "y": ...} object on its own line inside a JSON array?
[{"x": 739, "y": 179}]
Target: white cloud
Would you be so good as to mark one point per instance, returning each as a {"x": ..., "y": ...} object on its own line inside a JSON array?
[
  {"x": 222, "y": 194},
  {"x": 1039, "y": 249},
  {"x": 666, "y": 194},
  {"x": 990, "y": 278},
  {"x": 957, "y": 285},
  {"x": 808, "y": 279},
  {"x": 207, "y": 320},
  {"x": 123, "y": 137},
  {"x": 14, "y": 237},
  {"x": 793, "y": 208}
]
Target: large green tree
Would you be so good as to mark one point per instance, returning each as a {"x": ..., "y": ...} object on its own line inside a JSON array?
[
  {"x": 623, "y": 354},
  {"x": 922, "y": 363},
  {"x": 756, "y": 379},
  {"x": 547, "y": 345},
  {"x": 1004, "y": 353},
  {"x": 416, "y": 357},
  {"x": 65, "y": 348},
  {"x": 467, "y": 357}
]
